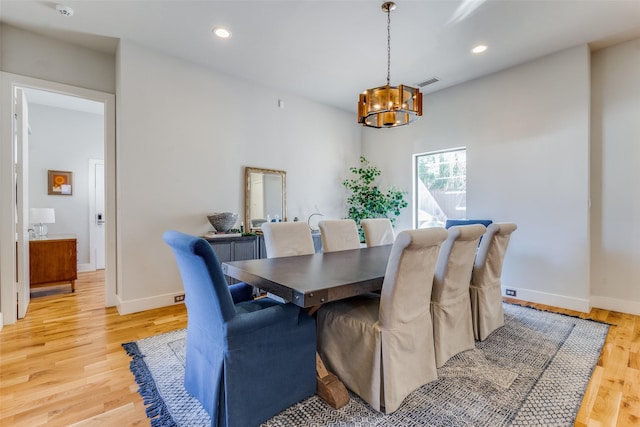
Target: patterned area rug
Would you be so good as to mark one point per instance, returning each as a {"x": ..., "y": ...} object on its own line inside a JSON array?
[{"x": 532, "y": 371}]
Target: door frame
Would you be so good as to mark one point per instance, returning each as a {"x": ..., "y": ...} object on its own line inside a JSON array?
[
  {"x": 93, "y": 212},
  {"x": 21, "y": 173},
  {"x": 8, "y": 84}
]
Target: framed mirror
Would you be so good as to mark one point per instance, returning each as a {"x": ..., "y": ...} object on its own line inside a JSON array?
[{"x": 264, "y": 197}]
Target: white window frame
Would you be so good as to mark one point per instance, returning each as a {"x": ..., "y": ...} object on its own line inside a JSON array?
[{"x": 416, "y": 181}]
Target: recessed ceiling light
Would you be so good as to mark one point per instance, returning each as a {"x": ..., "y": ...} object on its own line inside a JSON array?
[
  {"x": 223, "y": 33},
  {"x": 479, "y": 49},
  {"x": 64, "y": 10}
]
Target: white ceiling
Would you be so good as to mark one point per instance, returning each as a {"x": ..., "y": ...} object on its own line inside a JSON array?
[{"x": 330, "y": 51}]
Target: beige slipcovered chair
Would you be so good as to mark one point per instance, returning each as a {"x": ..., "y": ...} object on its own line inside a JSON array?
[
  {"x": 486, "y": 287},
  {"x": 339, "y": 235},
  {"x": 377, "y": 231},
  {"x": 450, "y": 300},
  {"x": 287, "y": 239},
  {"x": 381, "y": 346}
]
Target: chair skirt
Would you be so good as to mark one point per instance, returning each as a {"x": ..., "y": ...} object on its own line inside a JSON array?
[
  {"x": 256, "y": 376},
  {"x": 486, "y": 310},
  {"x": 381, "y": 366},
  {"x": 452, "y": 327}
]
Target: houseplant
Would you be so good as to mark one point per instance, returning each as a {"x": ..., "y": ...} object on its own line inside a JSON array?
[{"x": 366, "y": 200}]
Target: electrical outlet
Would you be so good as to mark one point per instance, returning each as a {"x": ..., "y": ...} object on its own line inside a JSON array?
[
  {"x": 510, "y": 292},
  {"x": 178, "y": 298}
]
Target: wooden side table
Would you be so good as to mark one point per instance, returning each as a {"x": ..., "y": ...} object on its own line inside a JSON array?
[{"x": 53, "y": 260}]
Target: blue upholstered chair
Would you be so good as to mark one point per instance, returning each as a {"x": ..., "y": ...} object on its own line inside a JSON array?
[
  {"x": 247, "y": 360},
  {"x": 452, "y": 222}
]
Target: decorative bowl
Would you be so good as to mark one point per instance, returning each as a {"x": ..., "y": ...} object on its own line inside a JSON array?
[{"x": 223, "y": 221}]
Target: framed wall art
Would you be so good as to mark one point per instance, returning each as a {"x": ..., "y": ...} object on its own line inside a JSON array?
[{"x": 60, "y": 183}]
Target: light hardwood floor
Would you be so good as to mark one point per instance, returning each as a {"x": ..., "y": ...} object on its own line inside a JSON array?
[
  {"x": 64, "y": 364},
  {"x": 612, "y": 397}
]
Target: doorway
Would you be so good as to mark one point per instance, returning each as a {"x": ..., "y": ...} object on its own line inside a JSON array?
[
  {"x": 33, "y": 88},
  {"x": 67, "y": 134}
]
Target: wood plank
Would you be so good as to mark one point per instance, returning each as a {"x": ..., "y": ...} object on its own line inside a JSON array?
[
  {"x": 330, "y": 388},
  {"x": 589, "y": 399},
  {"x": 64, "y": 363}
]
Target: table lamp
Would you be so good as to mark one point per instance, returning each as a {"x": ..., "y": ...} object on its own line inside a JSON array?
[{"x": 41, "y": 216}]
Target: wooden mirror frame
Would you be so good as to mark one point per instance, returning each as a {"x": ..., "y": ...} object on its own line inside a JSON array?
[{"x": 247, "y": 193}]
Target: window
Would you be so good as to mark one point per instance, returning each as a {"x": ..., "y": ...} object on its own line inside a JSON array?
[{"x": 440, "y": 187}]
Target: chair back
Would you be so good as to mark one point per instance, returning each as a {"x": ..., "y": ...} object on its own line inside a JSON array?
[
  {"x": 455, "y": 262},
  {"x": 377, "y": 231},
  {"x": 339, "y": 235},
  {"x": 490, "y": 257},
  {"x": 453, "y": 222},
  {"x": 207, "y": 295},
  {"x": 409, "y": 276},
  {"x": 287, "y": 239}
]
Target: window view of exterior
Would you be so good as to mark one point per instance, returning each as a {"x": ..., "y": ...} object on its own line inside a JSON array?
[{"x": 441, "y": 187}]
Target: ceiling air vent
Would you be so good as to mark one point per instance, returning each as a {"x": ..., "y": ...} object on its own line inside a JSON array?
[{"x": 428, "y": 82}]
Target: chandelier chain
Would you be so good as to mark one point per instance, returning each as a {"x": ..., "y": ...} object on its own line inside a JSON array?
[{"x": 388, "y": 45}]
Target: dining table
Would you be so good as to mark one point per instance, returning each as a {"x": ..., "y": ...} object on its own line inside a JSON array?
[
  {"x": 312, "y": 280},
  {"x": 309, "y": 281}
]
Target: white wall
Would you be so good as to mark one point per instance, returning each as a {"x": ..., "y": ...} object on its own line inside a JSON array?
[
  {"x": 65, "y": 140},
  {"x": 526, "y": 130},
  {"x": 616, "y": 174},
  {"x": 184, "y": 135},
  {"x": 23, "y": 52}
]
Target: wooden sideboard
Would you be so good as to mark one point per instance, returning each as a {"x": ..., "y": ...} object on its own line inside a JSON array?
[
  {"x": 237, "y": 248},
  {"x": 53, "y": 260},
  {"x": 240, "y": 248}
]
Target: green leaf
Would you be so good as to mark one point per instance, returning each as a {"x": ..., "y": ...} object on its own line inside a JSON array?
[{"x": 366, "y": 200}]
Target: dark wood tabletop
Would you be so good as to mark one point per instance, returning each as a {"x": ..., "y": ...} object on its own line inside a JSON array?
[{"x": 311, "y": 280}]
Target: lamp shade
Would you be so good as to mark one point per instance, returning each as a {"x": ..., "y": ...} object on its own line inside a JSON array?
[
  {"x": 389, "y": 106},
  {"x": 42, "y": 215}
]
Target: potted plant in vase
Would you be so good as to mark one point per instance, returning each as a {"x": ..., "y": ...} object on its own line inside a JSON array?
[{"x": 367, "y": 200}]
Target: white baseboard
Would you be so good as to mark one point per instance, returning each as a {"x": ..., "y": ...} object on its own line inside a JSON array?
[
  {"x": 554, "y": 300},
  {"x": 561, "y": 301},
  {"x": 143, "y": 304},
  {"x": 614, "y": 304},
  {"x": 1, "y": 321},
  {"x": 85, "y": 267}
]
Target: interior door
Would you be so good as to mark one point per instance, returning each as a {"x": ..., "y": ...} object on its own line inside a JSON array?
[{"x": 22, "y": 201}]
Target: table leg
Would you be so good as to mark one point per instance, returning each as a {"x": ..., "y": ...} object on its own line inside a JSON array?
[{"x": 330, "y": 388}]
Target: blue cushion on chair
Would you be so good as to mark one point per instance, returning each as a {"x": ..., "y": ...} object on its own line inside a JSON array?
[
  {"x": 241, "y": 292},
  {"x": 452, "y": 222},
  {"x": 246, "y": 360}
]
